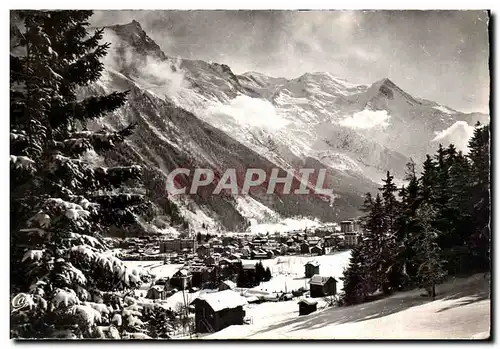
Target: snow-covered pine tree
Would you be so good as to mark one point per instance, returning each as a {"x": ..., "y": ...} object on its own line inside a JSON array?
[
  {"x": 391, "y": 272},
  {"x": 159, "y": 323},
  {"x": 360, "y": 277},
  {"x": 431, "y": 270},
  {"x": 406, "y": 224},
  {"x": 355, "y": 278},
  {"x": 445, "y": 213},
  {"x": 428, "y": 181},
  {"x": 479, "y": 155},
  {"x": 60, "y": 204},
  {"x": 373, "y": 245}
]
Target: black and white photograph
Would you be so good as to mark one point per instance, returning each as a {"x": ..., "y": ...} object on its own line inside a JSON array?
[{"x": 200, "y": 175}]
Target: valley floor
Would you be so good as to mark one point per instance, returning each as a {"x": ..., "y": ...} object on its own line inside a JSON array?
[{"x": 460, "y": 311}]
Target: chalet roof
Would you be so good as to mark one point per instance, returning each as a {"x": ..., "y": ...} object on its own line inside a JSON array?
[
  {"x": 229, "y": 284},
  {"x": 308, "y": 301},
  {"x": 226, "y": 299},
  {"x": 248, "y": 266},
  {"x": 313, "y": 263},
  {"x": 182, "y": 272},
  {"x": 320, "y": 280},
  {"x": 158, "y": 288}
]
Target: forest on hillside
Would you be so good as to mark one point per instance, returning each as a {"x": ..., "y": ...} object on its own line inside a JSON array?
[{"x": 436, "y": 225}]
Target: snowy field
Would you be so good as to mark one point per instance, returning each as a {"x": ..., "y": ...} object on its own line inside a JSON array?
[
  {"x": 288, "y": 271},
  {"x": 461, "y": 311},
  {"x": 156, "y": 268}
]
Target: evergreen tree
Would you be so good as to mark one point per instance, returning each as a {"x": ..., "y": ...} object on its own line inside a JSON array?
[
  {"x": 479, "y": 155},
  {"x": 372, "y": 244},
  {"x": 391, "y": 204},
  {"x": 356, "y": 286},
  {"x": 241, "y": 279},
  {"x": 431, "y": 270},
  {"x": 428, "y": 181},
  {"x": 159, "y": 323},
  {"x": 259, "y": 272},
  {"x": 406, "y": 224},
  {"x": 61, "y": 205},
  {"x": 267, "y": 274},
  {"x": 390, "y": 247}
]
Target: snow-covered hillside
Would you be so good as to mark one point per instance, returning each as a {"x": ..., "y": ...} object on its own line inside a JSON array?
[
  {"x": 462, "y": 310},
  {"x": 202, "y": 114}
]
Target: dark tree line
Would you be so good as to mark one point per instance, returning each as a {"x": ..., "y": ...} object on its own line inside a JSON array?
[
  {"x": 437, "y": 224},
  {"x": 251, "y": 278}
]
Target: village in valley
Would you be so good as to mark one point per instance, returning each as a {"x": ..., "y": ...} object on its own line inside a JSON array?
[
  {"x": 169, "y": 184},
  {"x": 209, "y": 282}
]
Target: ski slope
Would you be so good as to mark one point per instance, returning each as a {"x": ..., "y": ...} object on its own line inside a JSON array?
[{"x": 461, "y": 311}]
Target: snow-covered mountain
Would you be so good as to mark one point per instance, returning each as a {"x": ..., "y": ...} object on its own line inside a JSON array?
[{"x": 197, "y": 113}]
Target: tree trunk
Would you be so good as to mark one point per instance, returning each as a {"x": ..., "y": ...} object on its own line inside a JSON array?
[{"x": 433, "y": 290}]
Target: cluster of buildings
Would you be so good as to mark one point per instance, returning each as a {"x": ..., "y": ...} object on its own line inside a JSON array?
[
  {"x": 213, "y": 263},
  {"x": 221, "y": 306},
  {"x": 322, "y": 240},
  {"x": 217, "y": 310},
  {"x": 318, "y": 241}
]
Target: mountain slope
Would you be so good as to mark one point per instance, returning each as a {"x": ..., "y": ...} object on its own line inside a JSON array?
[{"x": 202, "y": 114}]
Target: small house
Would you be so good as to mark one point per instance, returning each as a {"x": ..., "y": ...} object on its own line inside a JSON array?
[
  {"x": 312, "y": 268},
  {"x": 322, "y": 286},
  {"x": 156, "y": 292},
  {"x": 307, "y": 306},
  {"x": 248, "y": 271},
  {"x": 313, "y": 240},
  {"x": 225, "y": 262},
  {"x": 203, "y": 251},
  {"x": 227, "y": 285},
  {"x": 200, "y": 275},
  {"x": 317, "y": 250},
  {"x": 181, "y": 279},
  {"x": 246, "y": 252},
  {"x": 211, "y": 260},
  {"x": 259, "y": 255},
  {"x": 218, "y": 310},
  {"x": 227, "y": 240},
  {"x": 327, "y": 249},
  {"x": 304, "y": 248},
  {"x": 218, "y": 249}
]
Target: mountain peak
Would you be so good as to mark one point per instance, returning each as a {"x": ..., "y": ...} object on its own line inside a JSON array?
[
  {"x": 133, "y": 35},
  {"x": 385, "y": 82},
  {"x": 389, "y": 89}
]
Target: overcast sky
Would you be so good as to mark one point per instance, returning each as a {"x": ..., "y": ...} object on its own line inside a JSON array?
[{"x": 438, "y": 55}]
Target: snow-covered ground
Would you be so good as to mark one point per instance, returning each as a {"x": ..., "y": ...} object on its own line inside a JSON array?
[
  {"x": 156, "y": 268},
  {"x": 288, "y": 271},
  {"x": 461, "y": 311},
  {"x": 285, "y": 225}
]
